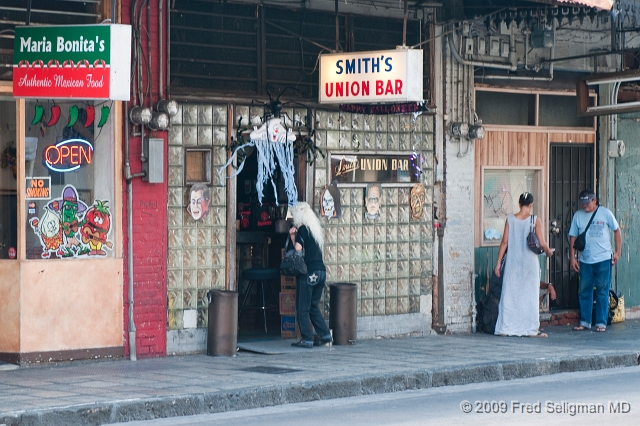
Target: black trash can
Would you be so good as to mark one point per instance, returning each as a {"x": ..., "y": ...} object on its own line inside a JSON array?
[
  {"x": 222, "y": 330},
  {"x": 342, "y": 312}
]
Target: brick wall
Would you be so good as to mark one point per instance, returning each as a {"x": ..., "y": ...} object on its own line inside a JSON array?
[
  {"x": 560, "y": 318},
  {"x": 149, "y": 221},
  {"x": 458, "y": 239}
]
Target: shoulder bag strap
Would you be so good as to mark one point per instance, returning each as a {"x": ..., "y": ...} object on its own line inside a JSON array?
[
  {"x": 590, "y": 220},
  {"x": 533, "y": 223}
]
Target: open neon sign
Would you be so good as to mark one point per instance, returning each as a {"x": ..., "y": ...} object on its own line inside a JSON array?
[{"x": 68, "y": 155}]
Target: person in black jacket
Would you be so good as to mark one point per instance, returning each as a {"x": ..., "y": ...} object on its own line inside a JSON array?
[{"x": 306, "y": 233}]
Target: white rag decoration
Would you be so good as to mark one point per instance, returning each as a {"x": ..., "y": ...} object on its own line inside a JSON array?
[{"x": 272, "y": 141}]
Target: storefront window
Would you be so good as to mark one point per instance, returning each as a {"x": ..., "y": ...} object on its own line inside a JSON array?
[
  {"x": 501, "y": 192},
  {"x": 69, "y": 179},
  {"x": 8, "y": 183}
]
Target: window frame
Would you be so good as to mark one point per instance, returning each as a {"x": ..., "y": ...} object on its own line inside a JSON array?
[
  {"x": 539, "y": 192},
  {"x": 208, "y": 166},
  {"x": 6, "y": 89},
  {"x": 537, "y": 93}
]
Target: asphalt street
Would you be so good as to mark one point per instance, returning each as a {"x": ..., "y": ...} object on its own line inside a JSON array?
[
  {"x": 588, "y": 398},
  {"x": 112, "y": 391}
]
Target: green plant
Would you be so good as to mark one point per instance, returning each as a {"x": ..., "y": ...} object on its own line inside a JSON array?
[{"x": 8, "y": 157}]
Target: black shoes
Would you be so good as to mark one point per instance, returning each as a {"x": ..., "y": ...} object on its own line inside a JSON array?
[
  {"x": 303, "y": 344},
  {"x": 322, "y": 342}
]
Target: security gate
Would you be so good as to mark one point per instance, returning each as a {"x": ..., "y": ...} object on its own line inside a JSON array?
[{"x": 571, "y": 169}]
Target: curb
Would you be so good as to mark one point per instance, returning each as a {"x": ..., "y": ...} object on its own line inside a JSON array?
[{"x": 243, "y": 399}]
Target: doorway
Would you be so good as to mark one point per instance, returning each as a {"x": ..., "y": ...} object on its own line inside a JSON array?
[
  {"x": 258, "y": 248},
  {"x": 571, "y": 169}
]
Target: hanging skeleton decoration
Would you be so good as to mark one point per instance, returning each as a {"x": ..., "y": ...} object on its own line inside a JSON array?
[{"x": 273, "y": 141}]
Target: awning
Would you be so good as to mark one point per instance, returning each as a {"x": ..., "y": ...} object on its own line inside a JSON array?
[{"x": 598, "y": 4}]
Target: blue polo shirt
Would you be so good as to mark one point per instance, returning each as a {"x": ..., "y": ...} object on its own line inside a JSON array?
[{"x": 598, "y": 247}]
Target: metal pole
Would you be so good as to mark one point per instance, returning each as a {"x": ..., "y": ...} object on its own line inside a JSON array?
[
  {"x": 28, "y": 19},
  {"x": 168, "y": 49},
  {"x": 474, "y": 311},
  {"x": 404, "y": 25},
  {"x": 160, "y": 47},
  {"x": 128, "y": 178},
  {"x": 149, "y": 77},
  {"x": 440, "y": 326},
  {"x": 337, "y": 29}
]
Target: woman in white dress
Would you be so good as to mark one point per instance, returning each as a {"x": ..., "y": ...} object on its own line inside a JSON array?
[{"x": 518, "y": 313}]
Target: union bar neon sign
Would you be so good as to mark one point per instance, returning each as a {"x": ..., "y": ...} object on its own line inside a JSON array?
[{"x": 68, "y": 155}]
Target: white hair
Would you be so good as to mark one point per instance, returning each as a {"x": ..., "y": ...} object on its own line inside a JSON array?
[{"x": 304, "y": 215}]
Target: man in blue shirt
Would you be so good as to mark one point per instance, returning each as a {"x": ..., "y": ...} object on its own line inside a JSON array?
[{"x": 596, "y": 259}]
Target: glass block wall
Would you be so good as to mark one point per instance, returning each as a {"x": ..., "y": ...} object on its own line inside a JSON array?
[
  {"x": 196, "y": 259},
  {"x": 390, "y": 259}
]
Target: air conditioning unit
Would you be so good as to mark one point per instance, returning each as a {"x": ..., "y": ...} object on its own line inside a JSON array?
[{"x": 616, "y": 148}]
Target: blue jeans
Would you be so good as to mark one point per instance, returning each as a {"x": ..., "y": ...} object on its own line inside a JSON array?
[
  {"x": 596, "y": 275},
  {"x": 308, "y": 295}
]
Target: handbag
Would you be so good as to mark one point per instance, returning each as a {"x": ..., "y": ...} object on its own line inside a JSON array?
[
  {"x": 293, "y": 263},
  {"x": 618, "y": 311},
  {"x": 532, "y": 238},
  {"x": 581, "y": 240}
]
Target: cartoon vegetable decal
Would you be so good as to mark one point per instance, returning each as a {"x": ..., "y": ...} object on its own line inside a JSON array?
[
  {"x": 55, "y": 116},
  {"x": 38, "y": 115},
  {"x": 91, "y": 116},
  {"x": 95, "y": 228},
  {"x": 104, "y": 115},
  {"x": 73, "y": 115}
]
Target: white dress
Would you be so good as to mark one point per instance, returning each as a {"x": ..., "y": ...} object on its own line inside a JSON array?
[{"x": 518, "y": 313}]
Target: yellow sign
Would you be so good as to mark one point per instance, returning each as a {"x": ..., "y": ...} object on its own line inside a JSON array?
[{"x": 38, "y": 188}]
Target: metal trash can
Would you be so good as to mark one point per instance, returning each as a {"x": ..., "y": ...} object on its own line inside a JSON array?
[
  {"x": 342, "y": 312},
  {"x": 222, "y": 328}
]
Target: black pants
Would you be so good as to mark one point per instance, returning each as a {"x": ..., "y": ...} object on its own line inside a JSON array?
[{"x": 309, "y": 290}]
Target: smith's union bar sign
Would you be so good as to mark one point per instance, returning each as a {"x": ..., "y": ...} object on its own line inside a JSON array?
[
  {"x": 371, "y": 77},
  {"x": 70, "y": 62}
]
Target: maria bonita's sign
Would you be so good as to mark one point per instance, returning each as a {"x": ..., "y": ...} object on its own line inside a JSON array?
[
  {"x": 79, "y": 61},
  {"x": 371, "y": 77}
]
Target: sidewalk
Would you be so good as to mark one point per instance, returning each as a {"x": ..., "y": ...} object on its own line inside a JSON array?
[{"x": 102, "y": 392}]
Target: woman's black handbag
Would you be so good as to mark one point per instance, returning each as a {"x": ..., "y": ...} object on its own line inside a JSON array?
[
  {"x": 581, "y": 240},
  {"x": 532, "y": 239},
  {"x": 293, "y": 263}
]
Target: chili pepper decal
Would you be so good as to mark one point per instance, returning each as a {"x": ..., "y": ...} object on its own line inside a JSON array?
[
  {"x": 55, "y": 116},
  {"x": 73, "y": 115},
  {"x": 104, "y": 115},
  {"x": 38, "y": 115},
  {"x": 82, "y": 115},
  {"x": 91, "y": 115}
]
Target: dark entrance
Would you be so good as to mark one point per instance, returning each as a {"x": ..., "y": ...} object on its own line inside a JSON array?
[{"x": 571, "y": 169}]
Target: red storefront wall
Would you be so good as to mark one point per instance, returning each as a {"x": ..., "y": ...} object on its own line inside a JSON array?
[{"x": 149, "y": 211}]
